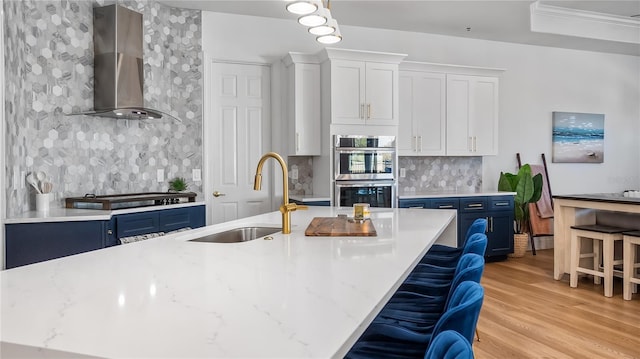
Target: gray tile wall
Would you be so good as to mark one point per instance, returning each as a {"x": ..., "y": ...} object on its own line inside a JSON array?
[
  {"x": 304, "y": 184},
  {"x": 440, "y": 174},
  {"x": 49, "y": 73}
]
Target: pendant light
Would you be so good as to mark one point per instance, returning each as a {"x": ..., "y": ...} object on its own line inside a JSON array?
[
  {"x": 329, "y": 39},
  {"x": 303, "y": 7},
  {"x": 318, "y": 18},
  {"x": 326, "y": 29}
]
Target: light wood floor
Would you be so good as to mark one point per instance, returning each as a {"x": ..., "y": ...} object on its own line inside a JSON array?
[{"x": 528, "y": 314}]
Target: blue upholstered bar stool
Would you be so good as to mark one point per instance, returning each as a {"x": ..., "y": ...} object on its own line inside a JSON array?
[
  {"x": 449, "y": 345},
  {"x": 392, "y": 341},
  {"x": 630, "y": 276},
  {"x": 601, "y": 236}
]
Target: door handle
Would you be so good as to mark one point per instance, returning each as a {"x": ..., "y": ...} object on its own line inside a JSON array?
[
  {"x": 362, "y": 111},
  {"x": 368, "y": 111},
  {"x": 218, "y": 194}
]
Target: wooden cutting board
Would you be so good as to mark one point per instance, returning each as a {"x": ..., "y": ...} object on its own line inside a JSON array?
[{"x": 340, "y": 227}]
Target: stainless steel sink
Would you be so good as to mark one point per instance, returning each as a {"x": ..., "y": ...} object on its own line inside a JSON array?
[{"x": 236, "y": 235}]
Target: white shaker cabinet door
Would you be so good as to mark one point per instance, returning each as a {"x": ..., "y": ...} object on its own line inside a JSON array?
[
  {"x": 381, "y": 94},
  {"x": 304, "y": 109},
  {"x": 472, "y": 115},
  {"x": 422, "y": 116},
  {"x": 347, "y": 92}
]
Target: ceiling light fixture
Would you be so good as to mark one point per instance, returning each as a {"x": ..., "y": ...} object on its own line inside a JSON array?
[
  {"x": 303, "y": 7},
  {"x": 326, "y": 29},
  {"x": 333, "y": 38},
  {"x": 318, "y": 18}
]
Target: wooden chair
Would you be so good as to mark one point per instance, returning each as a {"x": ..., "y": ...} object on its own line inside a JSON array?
[
  {"x": 601, "y": 236},
  {"x": 630, "y": 277}
]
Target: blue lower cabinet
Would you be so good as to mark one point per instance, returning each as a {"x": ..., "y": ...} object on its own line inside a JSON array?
[
  {"x": 27, "y": 243},
  {"x": 498, "y": 210}
]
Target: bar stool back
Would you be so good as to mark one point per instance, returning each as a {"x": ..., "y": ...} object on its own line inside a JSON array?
[
  {"x": 601, "y": 236},
  {"x": 631, "y": 275}
]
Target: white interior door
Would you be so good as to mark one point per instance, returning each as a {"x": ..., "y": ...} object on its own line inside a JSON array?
[{"x": 240, "y": 116}]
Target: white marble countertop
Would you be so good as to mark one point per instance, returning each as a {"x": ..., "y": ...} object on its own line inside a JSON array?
[
  {"x": 75, "y": 214},
  {"x": 290, "y": 297},
  {"x": 309, "y": 197},
  {"x": 440, "y": 194}
]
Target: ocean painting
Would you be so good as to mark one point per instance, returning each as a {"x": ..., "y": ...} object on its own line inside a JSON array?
[{"x": 578, "y": 137}]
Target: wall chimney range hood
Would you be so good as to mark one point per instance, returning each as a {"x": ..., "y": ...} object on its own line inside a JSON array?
[{"x": 118, "y": 66}]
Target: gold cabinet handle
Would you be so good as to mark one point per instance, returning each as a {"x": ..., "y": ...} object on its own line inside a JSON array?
[{"x": 218, "y": 194}]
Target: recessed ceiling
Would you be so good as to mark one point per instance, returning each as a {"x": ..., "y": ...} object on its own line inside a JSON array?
[{"x": 491, "y": 20}]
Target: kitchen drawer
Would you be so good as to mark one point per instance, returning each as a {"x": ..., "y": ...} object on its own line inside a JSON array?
[
  {"x": 501, "y": 203},
  {"x": 445, "y": 203},
  {"x": 414, "y": 203},
  {"x": 473, "y": 204}
]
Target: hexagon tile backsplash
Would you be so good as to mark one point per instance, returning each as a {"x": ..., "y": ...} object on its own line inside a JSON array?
[{"x": 49, "y": 73}]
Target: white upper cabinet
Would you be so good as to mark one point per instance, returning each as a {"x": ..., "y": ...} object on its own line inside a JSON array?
[
  {"x": 303, "y": 104},
  {"x": 421, "y": 131},
  {"x": 472, "y": 115},
  {"x": 362, "y": 86},
  {"x": 447, "y": 110}
]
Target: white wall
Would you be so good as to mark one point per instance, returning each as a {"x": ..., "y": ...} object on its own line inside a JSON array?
[{"x": 537, "y": 81}]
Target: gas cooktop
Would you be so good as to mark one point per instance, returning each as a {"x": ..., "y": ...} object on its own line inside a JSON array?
[{"x": 131, "y": 200}]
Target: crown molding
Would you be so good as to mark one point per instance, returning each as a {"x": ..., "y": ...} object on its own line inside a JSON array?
[{"x": 587, "y": 24}]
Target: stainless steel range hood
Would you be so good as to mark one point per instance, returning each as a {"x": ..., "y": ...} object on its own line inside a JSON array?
[{"x": 118, "y": 67}]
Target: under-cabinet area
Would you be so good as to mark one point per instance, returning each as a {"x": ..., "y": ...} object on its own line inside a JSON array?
[{"x": 36, "y": 241}]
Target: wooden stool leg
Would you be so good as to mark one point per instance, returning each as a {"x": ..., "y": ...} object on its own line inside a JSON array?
[
  {"x": 627, "y": 269},
  {"x": 597, "y": 255},
  {"x": 607, "y": 253},
  {"x": 575, "y": 260}
]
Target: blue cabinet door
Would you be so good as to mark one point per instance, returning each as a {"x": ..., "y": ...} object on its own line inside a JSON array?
[
  {"x": 27, "y": 243},
  {"x": 134, "y": 224},
  {"x": 174, "y": 219}
]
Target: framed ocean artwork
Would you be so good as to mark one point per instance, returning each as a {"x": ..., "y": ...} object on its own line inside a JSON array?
[{"x": 578, "y": 137}]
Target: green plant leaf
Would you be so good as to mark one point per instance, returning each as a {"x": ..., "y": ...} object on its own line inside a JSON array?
[
  {"x": 537, "y": 188},
  {"x": 504, "y": 184},
  {"x": 524, "y": 190}
]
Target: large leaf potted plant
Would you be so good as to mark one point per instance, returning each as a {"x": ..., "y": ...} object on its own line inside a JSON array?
[{"x": 528, "y": 190}]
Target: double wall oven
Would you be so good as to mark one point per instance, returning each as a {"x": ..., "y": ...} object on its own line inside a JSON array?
[{"x": 365, "y": 170}]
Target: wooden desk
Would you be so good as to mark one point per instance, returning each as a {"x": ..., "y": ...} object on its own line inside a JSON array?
[{"x": 570, "y": 210}]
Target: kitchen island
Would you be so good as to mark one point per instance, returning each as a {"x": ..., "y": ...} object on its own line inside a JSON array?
[{"x": 292, "y": 296}]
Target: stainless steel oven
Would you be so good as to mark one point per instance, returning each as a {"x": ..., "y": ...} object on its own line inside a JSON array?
[
  {"x": 365, "y": 170},
  {"x": 376, "y": 193},
  {"x": 364, "y": 157}
]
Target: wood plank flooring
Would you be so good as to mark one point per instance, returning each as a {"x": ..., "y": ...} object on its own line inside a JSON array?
[{"x": 528, "y": 314}]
